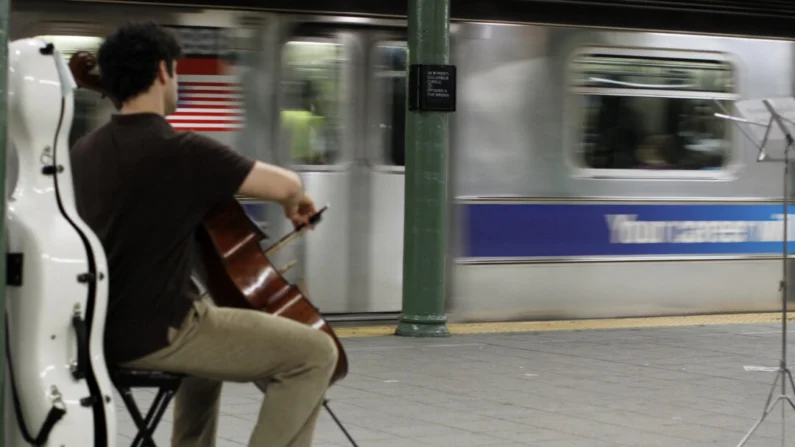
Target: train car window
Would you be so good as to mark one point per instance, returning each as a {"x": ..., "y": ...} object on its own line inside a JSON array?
[
  {"x": 312, "y": 104},
  {"x": 390, "y": 85},
  {"x": 652, "y": 113}
]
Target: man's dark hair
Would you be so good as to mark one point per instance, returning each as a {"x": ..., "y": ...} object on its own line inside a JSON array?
[{"x": 128, "y": 58}]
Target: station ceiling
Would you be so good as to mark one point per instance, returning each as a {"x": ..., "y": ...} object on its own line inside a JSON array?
[{"x": 765, "y": 18}]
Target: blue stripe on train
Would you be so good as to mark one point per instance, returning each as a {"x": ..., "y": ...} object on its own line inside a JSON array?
[{"x": 556, "y": 229}]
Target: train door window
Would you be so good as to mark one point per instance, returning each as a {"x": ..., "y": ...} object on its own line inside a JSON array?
[
  {"x": 651, "y": 113},
  {"x": 313, "y": 106},
  {"x": 389, "y": 103}
]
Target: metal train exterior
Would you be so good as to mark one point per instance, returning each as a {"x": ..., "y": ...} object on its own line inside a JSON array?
[{"x": 588, "y": 176}]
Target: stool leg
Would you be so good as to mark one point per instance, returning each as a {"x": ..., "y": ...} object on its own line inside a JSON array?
[
  {"x": 158, "y": 408},
  {"x": 135, "y": 413}
]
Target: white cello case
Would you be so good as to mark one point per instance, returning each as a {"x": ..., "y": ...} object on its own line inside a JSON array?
[{"x": 56, "y": 292}]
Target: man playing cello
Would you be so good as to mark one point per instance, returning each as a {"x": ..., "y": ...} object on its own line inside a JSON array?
[{"x": 144, "y": 188}]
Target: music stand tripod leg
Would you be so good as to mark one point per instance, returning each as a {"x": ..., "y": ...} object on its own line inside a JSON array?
[
  {"x": 768, "y": 408},
  {"x": 783, "y": 370},
  {"x": 792, "y": 383}
]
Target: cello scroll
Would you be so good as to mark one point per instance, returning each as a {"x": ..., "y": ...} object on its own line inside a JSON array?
[{"x": 82, "y": 64}]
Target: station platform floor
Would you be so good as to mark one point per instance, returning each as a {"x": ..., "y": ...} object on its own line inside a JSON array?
[{"x": 675, "y": 381}]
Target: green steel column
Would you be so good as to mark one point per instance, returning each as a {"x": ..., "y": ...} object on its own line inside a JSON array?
[
  {"x": 425, "y": 230},
  {"x": 4, "y": 13}
]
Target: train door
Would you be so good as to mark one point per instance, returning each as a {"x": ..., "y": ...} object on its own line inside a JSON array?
[
  {"x": 386, "y": 160},
  {"x": 317, "y": 139},
  {"x": 329, "y": 93}
]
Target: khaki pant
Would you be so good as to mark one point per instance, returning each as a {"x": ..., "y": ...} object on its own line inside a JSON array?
[{"x": 217, "y": 344}]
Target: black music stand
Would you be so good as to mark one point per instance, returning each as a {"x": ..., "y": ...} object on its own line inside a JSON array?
[{"x": 760, "y": 117}]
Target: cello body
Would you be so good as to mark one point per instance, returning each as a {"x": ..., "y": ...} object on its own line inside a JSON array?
[
  {"x": 239, "y": 274},
  {"x": 57, "y": 385}
]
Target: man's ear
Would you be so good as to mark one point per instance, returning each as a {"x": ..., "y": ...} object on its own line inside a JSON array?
[{"x": 162, "y": 73}]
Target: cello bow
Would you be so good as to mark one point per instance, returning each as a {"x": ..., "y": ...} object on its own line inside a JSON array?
[{"x": 238, "y": 271}]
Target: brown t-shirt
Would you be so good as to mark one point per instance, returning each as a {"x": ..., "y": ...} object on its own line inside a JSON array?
[{"x": 144, "y": 189}]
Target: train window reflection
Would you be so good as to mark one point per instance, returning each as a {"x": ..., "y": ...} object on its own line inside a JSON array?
[
  {"x": 652, "y": 73},
  {"x": 390, "y": 73},
  {"x": 653, "y": 113},
  {"x": 311, "y": 115}
]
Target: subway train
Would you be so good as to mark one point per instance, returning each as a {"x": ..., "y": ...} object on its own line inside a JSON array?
[{"x": 588, "y": 174}]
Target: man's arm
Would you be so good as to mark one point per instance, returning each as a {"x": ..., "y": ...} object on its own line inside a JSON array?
[
  {"x": 218, "y": 171},
  {"x": 269, "y": 182}
]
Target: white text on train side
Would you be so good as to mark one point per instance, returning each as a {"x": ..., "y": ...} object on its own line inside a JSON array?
[{"x": 626, "y": 229}]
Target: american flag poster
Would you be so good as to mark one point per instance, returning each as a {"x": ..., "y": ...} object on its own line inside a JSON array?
[{"x": 210, "y": 99}]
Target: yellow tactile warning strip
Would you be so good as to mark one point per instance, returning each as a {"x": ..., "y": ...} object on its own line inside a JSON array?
[{"x": 577, "y": 325}]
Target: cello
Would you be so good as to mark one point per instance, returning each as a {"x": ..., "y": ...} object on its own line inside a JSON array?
[
  {"x": 238, "y": 273},
  {"x": 56, "y": 285}
]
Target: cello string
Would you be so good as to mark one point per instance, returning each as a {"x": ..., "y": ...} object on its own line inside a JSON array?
[{"x": 284, "y": 241}]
